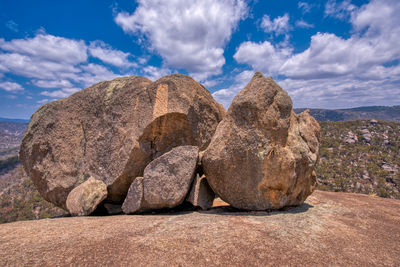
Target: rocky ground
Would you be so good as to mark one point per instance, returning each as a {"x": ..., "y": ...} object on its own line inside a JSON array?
[{"x": 329, "y": 229}]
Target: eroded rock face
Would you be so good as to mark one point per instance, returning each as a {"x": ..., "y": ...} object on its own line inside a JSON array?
[
  {"x": 262, "y": 155},
  {"x": 85, "y": 198},
  {"x": 112, "y": 130},
  {"x": 201, "y": 194},
  {"x": 165, "y": 183}
]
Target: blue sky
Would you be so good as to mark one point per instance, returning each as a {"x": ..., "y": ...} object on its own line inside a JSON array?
[{"x": 326, "y": 54}]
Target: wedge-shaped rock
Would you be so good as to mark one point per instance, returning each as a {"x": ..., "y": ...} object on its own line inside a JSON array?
[
  {"x": 112, "y": 130},
  {"x": 262, "y": 155},
  {"x": 85, "y": 198},
  {"x": 201, "y": 194},
  {"x": 165, "y": 183}
]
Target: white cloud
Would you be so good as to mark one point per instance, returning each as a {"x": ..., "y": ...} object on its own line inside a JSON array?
[
  {"x": 52, "y": 83},
  {"x": 264, "y": 57},
  {"x": 154, "y": 73},
  {"x": 105, "y": 53},
  {"x": 58, "y": 62},
  {"x": 11, "y": 86},
  {"x": 60, "y": 93},
  {"x": 43, "y": 101},
  {"x": 304, "y": 7},
  {"x": 362, "y": 69},
  {"x": 339, "y": 10},
  {"x": 303, "y": 24},
  {"x": 48, "y": 47},
  {"x": 280, "y": 25},
  {"x": 188, "y": 35},
  {"x": 226, "y": 95}
]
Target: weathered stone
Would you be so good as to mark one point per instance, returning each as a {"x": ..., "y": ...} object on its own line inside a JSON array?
[
  {"x": 165, "y": 183},
  {"x": 85, "y": 198},
  {"x": 134, "y": 198},
  {"x": 201, "y": 194},
  {"x": 262, "y": 155},
  {"x": 112, "y": 130}
]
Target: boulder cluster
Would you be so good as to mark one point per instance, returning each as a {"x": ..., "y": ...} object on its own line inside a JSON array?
[{"x": 135, "y": 145}]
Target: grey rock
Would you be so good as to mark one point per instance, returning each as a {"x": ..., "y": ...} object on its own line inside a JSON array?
[
  {"x": 201, "y": 194},
  {"x": 166, "y": 181}
]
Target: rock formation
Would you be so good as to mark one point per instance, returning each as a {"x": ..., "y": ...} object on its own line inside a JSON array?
[
  {"x": 85, "y": 198},
  {"x": 140, "y": 141},
  {"x": 112, "y": 130},
  {"x": 165, "y": 183},
  {"x": 201, "y": 195},
  {"x": 262, "y": 155}
]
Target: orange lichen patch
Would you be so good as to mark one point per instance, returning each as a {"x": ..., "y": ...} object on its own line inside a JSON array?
[{"x": 161, "y": 101}]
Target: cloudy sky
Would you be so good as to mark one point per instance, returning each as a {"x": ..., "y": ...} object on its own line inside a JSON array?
[{"x": 326, "y": 54}]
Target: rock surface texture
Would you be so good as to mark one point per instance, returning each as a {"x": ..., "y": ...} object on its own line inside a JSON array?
[
  {"x": 201, "y": 195},
  {"x": 262, "y": 155},
  {"x": 85, "y": 198},
  {"x": 165, "y": 183},
  {"x": 112, "y": 130},
  {"x": 329, "y": 229}
]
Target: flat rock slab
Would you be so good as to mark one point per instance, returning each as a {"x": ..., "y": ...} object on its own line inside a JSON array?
[{"x": 328, "y": 229}]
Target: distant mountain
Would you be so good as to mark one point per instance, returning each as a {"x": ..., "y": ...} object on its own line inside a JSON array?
[
  {"x": 13, "y": 120},
  {"x": 351, "y": 114}
]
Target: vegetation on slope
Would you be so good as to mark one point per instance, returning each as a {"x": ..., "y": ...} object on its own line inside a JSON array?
[{"x": 361, "y": 157}]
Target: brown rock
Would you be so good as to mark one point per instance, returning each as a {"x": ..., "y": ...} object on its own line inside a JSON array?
[
  {"x": 134, "y": 198},
  {"x": 262, "y": 155},
  {"x": 165, "y": 183},
  {"x": 201, "y": 194},
  {"x": 112, "y": 130},
  {"x": 330, "y": 229},
  {"x": 85, "y": 198}
]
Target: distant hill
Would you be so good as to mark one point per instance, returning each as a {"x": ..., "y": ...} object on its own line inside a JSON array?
[
  {"x": 13, "y": 120},
  {"x": 351, "y": 114}
]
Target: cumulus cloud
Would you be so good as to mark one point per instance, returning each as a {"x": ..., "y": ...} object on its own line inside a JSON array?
[
  {"x": 280, "y": 25},
  {"x": 188, "y": 35},
  {"x": 105, "y": 53},
  {"x": 11, "y": 86},
  {"x": 303, "y": 24},
  {"x": 263, "y": 56},
  {"x": 339, "y": 10},
  {"x": 334, "y": 69},
  {"x": 58, "y": 62}
]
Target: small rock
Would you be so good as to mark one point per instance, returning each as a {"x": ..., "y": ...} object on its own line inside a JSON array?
[
  {"x": 134, "y": 198},
  {"x": 201, "y": 194},
  {"x": 373, "y": 122},
  {"x": 351, "y": 138},
  {"x": 366, "y": 134},
  {"x": 85, "y": 198},
  {"x": 165, "y": 183}
]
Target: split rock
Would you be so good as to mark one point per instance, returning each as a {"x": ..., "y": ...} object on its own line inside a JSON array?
[
  {"x": 165, "y": 183},
  {"x": 201, "y": 194},
  {"x": 262, "y": 155},
  {"x": 112, "y": 130},
  {"x": 85, "y": 198}
]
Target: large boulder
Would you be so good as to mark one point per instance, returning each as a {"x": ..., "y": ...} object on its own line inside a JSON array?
[
  {"x": 262, "y": 155},
  {"x": 165, "y": 183},
  {"x": 85, "y": 198},
  {"x": 112, "y": 130}
]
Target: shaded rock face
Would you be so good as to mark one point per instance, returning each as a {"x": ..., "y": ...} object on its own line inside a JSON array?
[
  {"x": 112, "y": 130},
  {"x": 165, "y": 183},
  {"x": 85, "y": 198},
  {"x": 201, "y": 195},
  {"x": 262, "y": 155}
]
